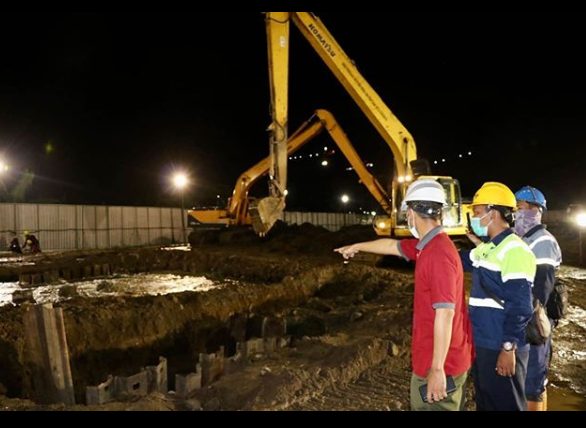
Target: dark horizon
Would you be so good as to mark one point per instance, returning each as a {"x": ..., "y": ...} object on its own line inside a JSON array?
[{"x": 102, "y": 108}]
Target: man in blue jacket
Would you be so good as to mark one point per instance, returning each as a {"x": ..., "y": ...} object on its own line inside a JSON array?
[
  {"x": 531, "y": 204},
  {"x": 500, "y": 304}
]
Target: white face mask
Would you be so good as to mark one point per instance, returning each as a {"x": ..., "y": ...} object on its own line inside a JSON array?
[{"x": 412, "y": 228}]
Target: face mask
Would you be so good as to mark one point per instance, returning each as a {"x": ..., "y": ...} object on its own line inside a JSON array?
[
  {"x": 526, "y": 221},
  {"x": 477, "y": 227},
  {"x": 412, "y": 228}
]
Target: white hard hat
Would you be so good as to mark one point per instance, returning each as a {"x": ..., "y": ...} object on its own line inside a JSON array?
[{"x": 426, "y": 190}]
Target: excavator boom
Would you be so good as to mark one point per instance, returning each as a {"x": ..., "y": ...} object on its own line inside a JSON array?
[
  {"x": 390, "y": 128},
  {"x": 407, "y": 165},
  {"x": 267, "y": 211},
  {"x": 240, "y": 210}
]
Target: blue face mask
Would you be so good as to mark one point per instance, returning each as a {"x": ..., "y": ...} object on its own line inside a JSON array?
[{"x": 477, "y": 227}]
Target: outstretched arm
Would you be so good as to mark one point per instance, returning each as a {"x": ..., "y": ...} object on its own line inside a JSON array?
[{"x": 384, "y": 247}]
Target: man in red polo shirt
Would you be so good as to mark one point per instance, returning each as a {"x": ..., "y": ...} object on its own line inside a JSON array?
[{"x": 442, "y": 337}]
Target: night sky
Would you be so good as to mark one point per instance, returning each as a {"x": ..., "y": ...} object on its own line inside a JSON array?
[{"x": 102, "y": 107}]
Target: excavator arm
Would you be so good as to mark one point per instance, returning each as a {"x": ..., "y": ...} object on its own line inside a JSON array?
[
  {"x": 238, "y": 213},
  {"x": 397, "y": 137},
  {"x": 321, "y": 120},
  {"x": 329, "y": 122},
  {"x": 278, "y": 51},
  {"x": 386, "y": 123},
  {"x": 394, "y": 133},
  {"x": 265, "y": 212}
]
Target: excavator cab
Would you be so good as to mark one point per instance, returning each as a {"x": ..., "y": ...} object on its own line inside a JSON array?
[{"x": 454, "y": 219}]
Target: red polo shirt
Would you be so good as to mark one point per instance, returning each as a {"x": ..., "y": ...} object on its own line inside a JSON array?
[{"x": 439, "y": 284}]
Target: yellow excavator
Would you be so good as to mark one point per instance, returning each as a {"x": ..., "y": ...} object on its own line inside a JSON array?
[
  {"x": 408, "y": 167},
  {"x": 237, "y": 213}
]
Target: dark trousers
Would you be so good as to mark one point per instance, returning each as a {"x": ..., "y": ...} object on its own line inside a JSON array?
[
  {"x": 495, "y": 393},
  {"x": 537, "y": 372}
]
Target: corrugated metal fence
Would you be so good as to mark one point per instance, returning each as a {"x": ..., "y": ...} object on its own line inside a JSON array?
[
  {"x": 80, "y": 227},
  {"x": 76, "y": 227}
]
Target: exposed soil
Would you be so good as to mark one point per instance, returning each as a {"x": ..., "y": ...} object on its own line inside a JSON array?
[{"x": 350, "y": 325}]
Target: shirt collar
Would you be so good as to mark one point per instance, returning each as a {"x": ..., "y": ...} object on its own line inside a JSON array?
[
  {"x": 429, "y": 237},
  {"x": 499, "y": 239},
  {"x": 535, "y": 230}
]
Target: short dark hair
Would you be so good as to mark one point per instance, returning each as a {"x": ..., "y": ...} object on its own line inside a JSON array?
[
  {"x": 428, "y": 210},
  {"x": 506, "y": 213}
]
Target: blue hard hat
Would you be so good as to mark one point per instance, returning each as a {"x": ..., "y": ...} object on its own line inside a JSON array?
[{"x": 533, "y": 196}]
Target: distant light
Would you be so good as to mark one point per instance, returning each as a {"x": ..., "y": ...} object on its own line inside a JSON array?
[
  {"x": 469, "y": 153},
  {"x": 286, "y": 193},
  {"x": 325, "y": 149},
  {"x": 325, "y": 163},
  {"x": 373, "y": 213},
  {"x": 443, "y": 160},
  {"x": 370, "y": 165},
  {"x": 408, "y": 179},
  {"x": 581, "y": 220},
  {"x": 401, "y": 180},
  {"x": 345, "y": 199},
  {"x": 49, "y": 148},
  {"x": 436, "y": 162},
  {"x": 310, "y": 156},
  {"x": 350, "y": 169},
  {"x": 461, "y": 156}
]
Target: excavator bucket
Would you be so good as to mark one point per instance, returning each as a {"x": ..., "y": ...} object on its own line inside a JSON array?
[{"x": 265, "y": 213}]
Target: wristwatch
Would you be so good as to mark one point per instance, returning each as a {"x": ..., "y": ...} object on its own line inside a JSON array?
[{"x": 509, "y": 347}]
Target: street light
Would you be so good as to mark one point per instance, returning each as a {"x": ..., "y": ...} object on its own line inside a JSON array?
[
  {"x": 181, "y": 181},
  {"x": 344, "y": 201},
  {"x": 581, "y": 222}
]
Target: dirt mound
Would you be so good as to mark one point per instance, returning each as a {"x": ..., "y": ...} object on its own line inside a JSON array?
[{"x": 307, "y": 239}]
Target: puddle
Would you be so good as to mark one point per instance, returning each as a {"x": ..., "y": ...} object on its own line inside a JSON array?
[
  {"x": 185, "y": 248},
  {"x": 6, "y": 291},
  {"x": 124, "y": 286},
  {"x": 563, "y": 399}
]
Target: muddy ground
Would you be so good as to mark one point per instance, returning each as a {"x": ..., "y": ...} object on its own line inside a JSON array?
[{"x": 350, "y": 326}]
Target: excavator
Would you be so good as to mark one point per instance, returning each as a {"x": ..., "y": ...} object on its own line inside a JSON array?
[
  {"x": 408, "y": 167},
  {"x": 263, "y": 213},
  {"x": 237, "y": 214}
]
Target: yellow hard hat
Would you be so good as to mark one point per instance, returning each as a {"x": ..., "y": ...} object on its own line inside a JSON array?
[{"x": 495, "y": 194}]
